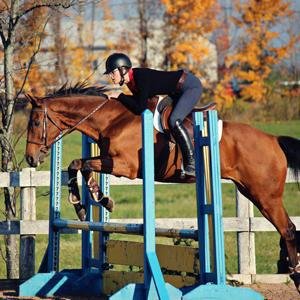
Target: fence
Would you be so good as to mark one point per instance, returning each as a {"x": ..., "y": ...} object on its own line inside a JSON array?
[{"x": 244, "y": 224}]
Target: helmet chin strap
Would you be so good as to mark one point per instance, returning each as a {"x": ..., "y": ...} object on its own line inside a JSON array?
[
  {"x": 122, "y": 80},
  {"x": 122, "y": 75}
]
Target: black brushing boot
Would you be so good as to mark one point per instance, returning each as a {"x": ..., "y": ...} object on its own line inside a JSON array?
[{"x": 186, "y": 146}]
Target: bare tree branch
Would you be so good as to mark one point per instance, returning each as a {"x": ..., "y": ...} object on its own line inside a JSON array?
[
  {"x": 65, "y": 4},
  {"x": 10, "y": 147},
  {"x": 36, "y": 51},
  {"x": 12, "y": 19},
  {"x": 3, "y": 39}
]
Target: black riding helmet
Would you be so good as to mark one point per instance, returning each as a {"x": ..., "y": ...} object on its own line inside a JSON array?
[{"x": 117, "y": 61}]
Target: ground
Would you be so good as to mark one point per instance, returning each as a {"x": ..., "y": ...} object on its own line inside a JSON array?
[
  {"x": 269, "y": 291},
  {"x": 277, "y": 291}
]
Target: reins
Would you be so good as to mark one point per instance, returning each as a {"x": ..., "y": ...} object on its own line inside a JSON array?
[{"x": 80, "y": 121}]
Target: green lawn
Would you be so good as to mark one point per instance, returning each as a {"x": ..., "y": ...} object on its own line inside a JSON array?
[
  {"x": 290, "y": 128},
  {"x": 172, "y": 201},
  {"x": 72, "y": 142}
]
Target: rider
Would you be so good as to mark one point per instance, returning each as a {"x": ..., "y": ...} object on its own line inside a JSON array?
[{"x": 183, "y": 87}]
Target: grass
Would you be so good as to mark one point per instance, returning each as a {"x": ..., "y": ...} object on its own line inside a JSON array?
[
  {"x": 172, "y": 201},
  {"x": 72, "y": 142},
  {"x": 290, "y": 128}
]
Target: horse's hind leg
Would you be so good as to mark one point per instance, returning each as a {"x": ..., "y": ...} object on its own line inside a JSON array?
[
  {"x": 277, "y": 215},
  {"x": 294, "y": 259},
  {"x": 279, "y": 218},
  {"x": 290, "y": 239}
]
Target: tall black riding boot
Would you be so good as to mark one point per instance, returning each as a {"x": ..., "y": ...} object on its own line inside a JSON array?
[{"x": 186, "y": 146}]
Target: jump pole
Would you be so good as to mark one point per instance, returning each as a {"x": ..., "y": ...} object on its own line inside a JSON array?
[
  {"x": 154, "y": 286},
  {"x": 212, "y": 277},
  {"x": 53, "y": 282},
  {"x": 50, "y": 281},
  {"x": 212, "y": 282}
]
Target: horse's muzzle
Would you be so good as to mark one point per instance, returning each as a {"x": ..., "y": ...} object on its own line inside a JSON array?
[{"x": 30, "y": 160}]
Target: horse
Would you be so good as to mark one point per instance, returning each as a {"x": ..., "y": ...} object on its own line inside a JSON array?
[{"x": 255, "y": 161}]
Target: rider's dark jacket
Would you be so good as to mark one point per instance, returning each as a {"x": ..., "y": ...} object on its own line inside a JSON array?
[{"x": 146, "y": 83}]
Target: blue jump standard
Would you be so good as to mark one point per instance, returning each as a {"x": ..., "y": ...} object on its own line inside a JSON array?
[{"x": 88, "y": 280}]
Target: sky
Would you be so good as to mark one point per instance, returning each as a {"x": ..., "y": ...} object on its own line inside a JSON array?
[{"x": 125, "y": 9}]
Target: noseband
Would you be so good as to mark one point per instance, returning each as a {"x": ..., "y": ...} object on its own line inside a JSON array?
[{"x": 44, "y": 141}]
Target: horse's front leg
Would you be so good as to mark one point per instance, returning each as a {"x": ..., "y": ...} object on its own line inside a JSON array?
[
  {"x": 96, "y": 165},
  {"x": 117, "y": 165},
  {"x": 87, "y": 166},
  {"x": 74, "y": 195}
]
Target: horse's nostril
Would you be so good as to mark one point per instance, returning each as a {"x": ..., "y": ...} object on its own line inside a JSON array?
[{"x": 29, "y": 160}]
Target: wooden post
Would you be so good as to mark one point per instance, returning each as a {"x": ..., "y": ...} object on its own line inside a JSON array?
[
  {"x": 27, "y": 213},
  {"x": 245, "y": 239}
]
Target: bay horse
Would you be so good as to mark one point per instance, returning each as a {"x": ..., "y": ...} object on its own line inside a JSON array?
[{"x": 255, "y": 161}]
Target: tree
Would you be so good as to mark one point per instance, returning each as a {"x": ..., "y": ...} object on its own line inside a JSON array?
[
  {"x": 257, "y": 51},
  {"x": 14, "y": 17},
  {"x": 72, "y": 53},
  {"x": 140, "y": 21},
  {"x": 147, "y": 14},
  {"x": 187, "y": 23},
  {"x": 28, "y": 44},
  {"x": 58, "y": 49}
]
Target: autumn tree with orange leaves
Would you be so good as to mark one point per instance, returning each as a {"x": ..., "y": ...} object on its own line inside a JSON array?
[
  {"x": 29, "y": 75},
  {"x": 186, "y": 22},
  {"x": 256, "y": 53},
  {"x": 74, "y": 53},
  {"x": 19, "y": 48}
]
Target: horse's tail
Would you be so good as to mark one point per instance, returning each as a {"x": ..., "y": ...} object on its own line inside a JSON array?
[{"x": 291, "y": 148}]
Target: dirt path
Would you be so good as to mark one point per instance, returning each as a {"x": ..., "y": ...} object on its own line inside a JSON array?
[{"x": 277, "y": 291}]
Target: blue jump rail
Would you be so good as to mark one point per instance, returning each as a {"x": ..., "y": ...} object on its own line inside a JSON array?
[
  {"x": 154, "y": 286},
  {"x": 212, "y": 277}
]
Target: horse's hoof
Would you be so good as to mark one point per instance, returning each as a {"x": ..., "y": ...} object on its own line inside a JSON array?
[
  {"x": 111, "y": 204},
  {"x": 80, "y": 211},
  {"x": 81, "y": 215},
  {"x": 73, "y": 199},
  {"x": 297, "y": 285},
  {"x": 108, "y": 203},
  {"x": 296, "y": 278}
]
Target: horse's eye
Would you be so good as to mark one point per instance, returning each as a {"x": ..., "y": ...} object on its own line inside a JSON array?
[{"x": 37, "y": 123}]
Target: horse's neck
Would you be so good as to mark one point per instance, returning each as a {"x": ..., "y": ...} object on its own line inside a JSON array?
[{"x": 72, "y": 112}]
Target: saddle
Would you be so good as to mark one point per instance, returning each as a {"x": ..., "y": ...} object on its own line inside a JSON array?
[{"x": 164, "y": 107}]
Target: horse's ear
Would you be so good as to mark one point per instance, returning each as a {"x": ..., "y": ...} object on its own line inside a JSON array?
[{"x": 34, "y": 101}]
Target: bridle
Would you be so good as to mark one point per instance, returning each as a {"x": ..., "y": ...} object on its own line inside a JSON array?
[
  {"x": 47, "y": 118},
  {"x": 44, "y": 140}
]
